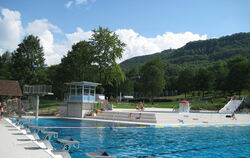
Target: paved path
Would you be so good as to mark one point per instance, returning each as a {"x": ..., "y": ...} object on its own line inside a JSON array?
[{"x": 14, "y": 144}]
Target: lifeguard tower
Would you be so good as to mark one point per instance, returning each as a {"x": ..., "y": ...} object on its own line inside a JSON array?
[
  {"x": 81, "y": 99},
  {"x": 184, "y": 106}
]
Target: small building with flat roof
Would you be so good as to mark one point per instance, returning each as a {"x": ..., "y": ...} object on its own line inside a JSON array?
[{"x": 81, "y": 99}]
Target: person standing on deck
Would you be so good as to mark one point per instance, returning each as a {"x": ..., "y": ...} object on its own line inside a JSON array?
[{"x": 1, "y": 111}]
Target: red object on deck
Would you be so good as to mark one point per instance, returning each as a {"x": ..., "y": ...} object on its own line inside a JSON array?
[{"x": 184, "y": 101}]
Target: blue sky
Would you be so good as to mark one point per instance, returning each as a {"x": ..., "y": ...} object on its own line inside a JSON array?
[{"x": 153, "y": 25}]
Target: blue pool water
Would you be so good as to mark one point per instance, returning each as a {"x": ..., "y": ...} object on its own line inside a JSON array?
[{"x": 153, "y": 142}]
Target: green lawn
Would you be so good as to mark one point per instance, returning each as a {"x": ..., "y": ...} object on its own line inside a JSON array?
[
  {"x": 197, "y": 103},
  {"x": 49, "y": 104}
]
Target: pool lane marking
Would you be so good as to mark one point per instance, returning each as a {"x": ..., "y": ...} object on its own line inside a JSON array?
[
  {"x": 122, "y": 127},
  {"x": 71, "y": 127},
  {"x": 243, "y": 125},
  {"x": 101, "y": 127},
  {"x": 159, "y": 126}
]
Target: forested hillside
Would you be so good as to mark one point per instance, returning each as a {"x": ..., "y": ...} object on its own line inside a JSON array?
[
  {"x": 203, "y": 53},
  {"x": 216, "y": 65}
]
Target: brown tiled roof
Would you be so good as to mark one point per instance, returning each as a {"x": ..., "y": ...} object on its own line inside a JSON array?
[{"x": 10, "y": 88}]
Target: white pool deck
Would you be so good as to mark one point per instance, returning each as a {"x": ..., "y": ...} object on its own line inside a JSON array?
[
  {"x": 15, "y": 143},
  {"x": 166, "y": 117}
]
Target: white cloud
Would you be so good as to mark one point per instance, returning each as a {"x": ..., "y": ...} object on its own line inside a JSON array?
[
  {"x": 81, "y": 1},
  {"x": 69, "y": 4},
  {"x": 44, "y": 30},
  {"x": 138, "y": 45},
  {"x": 61, "y": 48},
  {"x": 11, "y": 30},
  {"x": 79, "y": 35},
  {"x": 77, "y": 2}
]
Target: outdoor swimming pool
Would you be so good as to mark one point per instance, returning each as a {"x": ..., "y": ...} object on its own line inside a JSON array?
[{"x": 153, "y": 142}]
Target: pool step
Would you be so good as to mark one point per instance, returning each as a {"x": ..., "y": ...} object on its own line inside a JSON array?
[{"x": 125, "y": 116}]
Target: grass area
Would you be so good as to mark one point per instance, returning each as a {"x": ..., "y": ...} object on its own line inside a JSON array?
[
  {"x": 49, "y": 107},
  {"x": 156, "y": 105},
  {"x": 209, "y": 102},
  {"x": 197, "y": 103},
  {"x": 49, "y": 104}
]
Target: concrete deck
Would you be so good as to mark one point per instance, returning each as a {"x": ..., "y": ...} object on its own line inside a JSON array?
[
  {"x": 15, "y": 144},
  {"x": 166, "y": 117}
]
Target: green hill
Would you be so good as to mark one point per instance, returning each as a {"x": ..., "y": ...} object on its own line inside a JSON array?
[{"x": 203, "y": 53}]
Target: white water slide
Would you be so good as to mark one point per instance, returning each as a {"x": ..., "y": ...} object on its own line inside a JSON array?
[{"x": 231, "y": 106}]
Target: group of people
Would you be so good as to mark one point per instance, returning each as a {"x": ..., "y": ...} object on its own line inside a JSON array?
[{"x": 140, "y": 106}]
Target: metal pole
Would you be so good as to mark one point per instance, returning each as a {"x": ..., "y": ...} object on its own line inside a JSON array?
[{"x": 37, "y": 106}]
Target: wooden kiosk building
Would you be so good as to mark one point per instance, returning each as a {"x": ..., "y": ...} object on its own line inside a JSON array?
[{"x": 10, "y": 88}]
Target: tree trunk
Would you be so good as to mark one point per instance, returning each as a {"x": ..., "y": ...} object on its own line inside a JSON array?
[{"x": 152, "y": 100}]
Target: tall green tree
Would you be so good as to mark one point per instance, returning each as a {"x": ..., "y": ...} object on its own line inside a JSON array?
[
  {"x": 186, "y": 81},
  {"x": 57, "y": 77},
  {"x": 204, "y": 80},
  {"x": 127, "y": 87},
  {"x": 220, "y": 72},
  {"x": 95, "y": 61},
  {"x": 152, "y": 78},
  {"x": 6, "y": 65},
  {"x": 79, "y": 63},
  {"x": 239, "y": 73},
  {"x": 28, "y": 61},
  {"x": 107, "y": 48}
]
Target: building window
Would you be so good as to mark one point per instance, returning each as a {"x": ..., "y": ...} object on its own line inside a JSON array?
[
  {"x": 86, "y": 90},
  {"x": 79, "y": 90},
  {"x": 92, "y": 91},
  {"x": 73, "y": 90}
]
